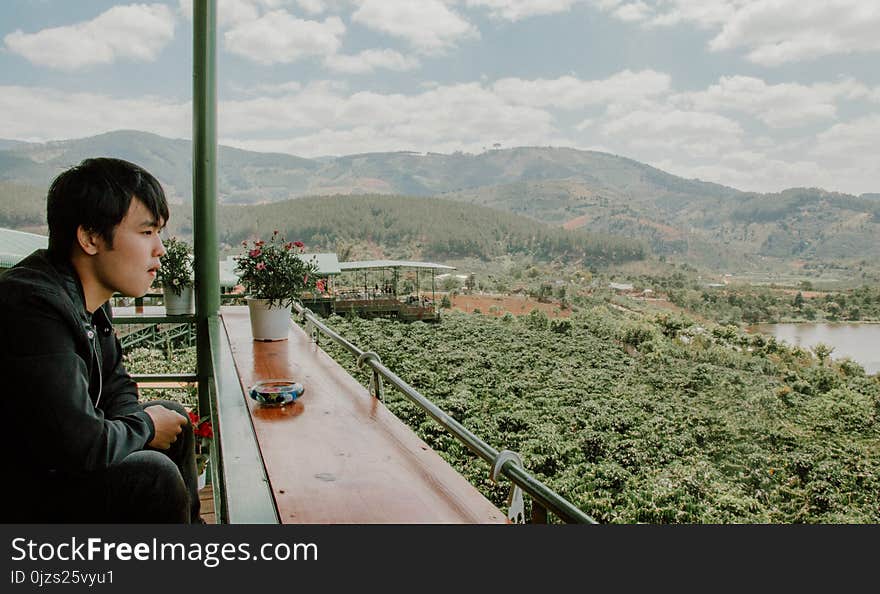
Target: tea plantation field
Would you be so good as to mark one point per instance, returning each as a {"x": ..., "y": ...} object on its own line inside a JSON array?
[{"x": 642, "y": 419}]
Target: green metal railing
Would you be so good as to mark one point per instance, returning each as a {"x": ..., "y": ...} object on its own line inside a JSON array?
[
  {"x": 241, "y": 488},
  {"x": 506, "y": 463},
  {"x": 242, "y": 494}
]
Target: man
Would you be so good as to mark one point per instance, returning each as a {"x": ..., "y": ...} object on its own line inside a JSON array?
[{"x": 80, "y": 446}]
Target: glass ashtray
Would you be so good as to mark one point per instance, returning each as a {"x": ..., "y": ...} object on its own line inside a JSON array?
[{"x": 276, "y": 392}]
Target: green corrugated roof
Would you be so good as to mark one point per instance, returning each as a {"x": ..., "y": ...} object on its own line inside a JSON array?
[{"x": 16, "y": 245}]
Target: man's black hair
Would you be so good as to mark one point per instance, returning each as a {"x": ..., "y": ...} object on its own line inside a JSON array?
[{"x": 97, "y": 194}]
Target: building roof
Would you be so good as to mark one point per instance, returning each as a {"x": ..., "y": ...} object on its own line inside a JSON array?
[
  {"x": 228, "y": 277},
  {"x": 621, "y": 286},
  {"x": 378, "y": 264},
  {"x": 327, "y": 263},
  {"x": 16, "y": 245}
]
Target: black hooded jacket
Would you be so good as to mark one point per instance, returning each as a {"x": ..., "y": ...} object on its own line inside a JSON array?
[{"x": 68, "y": 407}]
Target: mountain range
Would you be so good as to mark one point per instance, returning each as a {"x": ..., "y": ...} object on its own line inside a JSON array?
[{"x": 703, "y": 222}]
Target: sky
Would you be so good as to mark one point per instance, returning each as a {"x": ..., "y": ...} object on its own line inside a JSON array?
[{"x": 760, "y": 95}]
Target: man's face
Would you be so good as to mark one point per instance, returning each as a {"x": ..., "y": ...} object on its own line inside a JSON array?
[{"x": 130, "y": 266}]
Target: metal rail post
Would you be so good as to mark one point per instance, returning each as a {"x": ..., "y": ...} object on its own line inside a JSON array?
[{"x": 206, "y": 264}]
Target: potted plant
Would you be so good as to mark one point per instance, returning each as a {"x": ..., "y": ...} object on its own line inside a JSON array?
[
  {"x": 176, "y": 277},
  {"x": 204, "y": 432},
  {"x": 273, "y": 274}
]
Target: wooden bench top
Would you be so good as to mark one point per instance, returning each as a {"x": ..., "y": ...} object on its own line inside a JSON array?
[{"x": 337, "y": 455}]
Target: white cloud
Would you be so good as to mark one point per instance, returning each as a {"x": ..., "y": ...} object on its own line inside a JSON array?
[
  {"x": 41, "y": 114},
  {"x": 312, "y": 6},
  {"x": 428, "y": 25},
  {"x": 780, "y": 31},
  {"x": 572, "y": 93},
  {"x": 267, "y": 89},
  {"x": 851, "y": 140},
  {"x": 752, "y": 171},
  {"x": 326, "y": 119},
  {"x": 514, "y": 10},
  {"x": 634, "y": 11},
  {"x": 697, "y": 134},
  {"x": 136, "y": 32},
  {"x": 847, "y": 155},
  {"x": 370, "y": 60},
  {"x": 314, "y": 106},
  {"x": 702, "y": 13},
  {"x": 235, "y": 12},
  {"x": 773, "y": 32},
  {"x": 279, "y": 37},
  {"x": 778, "y": 106},
  {"x": 710, "y": 147}
]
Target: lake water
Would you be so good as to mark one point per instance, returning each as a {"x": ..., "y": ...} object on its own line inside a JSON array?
[{"x": 860, "y": 342}]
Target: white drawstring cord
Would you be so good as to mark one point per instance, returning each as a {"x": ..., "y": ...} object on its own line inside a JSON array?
[{"x": 93, "y": 336}]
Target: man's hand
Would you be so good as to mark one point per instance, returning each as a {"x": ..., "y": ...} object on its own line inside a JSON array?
[{"x": 168, "y": 426}]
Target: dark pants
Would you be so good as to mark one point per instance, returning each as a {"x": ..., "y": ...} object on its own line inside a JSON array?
[{"x": 148, "y": 486}]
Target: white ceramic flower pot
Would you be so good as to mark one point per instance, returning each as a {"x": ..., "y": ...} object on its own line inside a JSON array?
[
  {"x": 268, "y": 323},
  {"x": 179, "y": 305}
]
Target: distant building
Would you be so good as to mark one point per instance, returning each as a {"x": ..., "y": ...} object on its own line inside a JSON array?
[{"x": 620, "y": 286}]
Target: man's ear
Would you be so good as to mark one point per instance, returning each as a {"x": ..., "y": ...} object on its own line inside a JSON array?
[{"x": 87, "y": 240}]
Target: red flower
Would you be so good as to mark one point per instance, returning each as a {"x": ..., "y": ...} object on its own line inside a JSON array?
[
  {"x": 261, "y": 266},
  {"x": 194, "y": 419},
  {"x": 299, "y": 244},
  {"x": 255, "y": 253},
  {"x": 205, "y": 430}
]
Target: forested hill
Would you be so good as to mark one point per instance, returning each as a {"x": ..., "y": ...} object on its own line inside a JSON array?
[
  {"x": 22, "y": 207},
  {"x": 417, "y": 228},
  {"x": 707, "y": 225},
  {"x": 248, "y": 177},
  {"x": 243, "y": 176}
]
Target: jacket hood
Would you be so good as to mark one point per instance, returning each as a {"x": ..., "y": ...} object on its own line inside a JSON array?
[{"x": 64, "y": 275}]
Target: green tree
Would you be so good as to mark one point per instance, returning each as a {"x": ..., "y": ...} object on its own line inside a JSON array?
[
  {"x": 822, "y": 351},
  {"x": 832, "y": 309},
  {"x": 470, "y": 282}
]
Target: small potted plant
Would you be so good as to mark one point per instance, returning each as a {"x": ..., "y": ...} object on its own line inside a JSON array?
[
  {"x": 274, "y": 275},
  {"x": 204, "y": 433},
  {"x": 176, "y": 277}
]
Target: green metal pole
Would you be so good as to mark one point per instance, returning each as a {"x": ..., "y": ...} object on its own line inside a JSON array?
[{"x": 207, "y": 272}]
